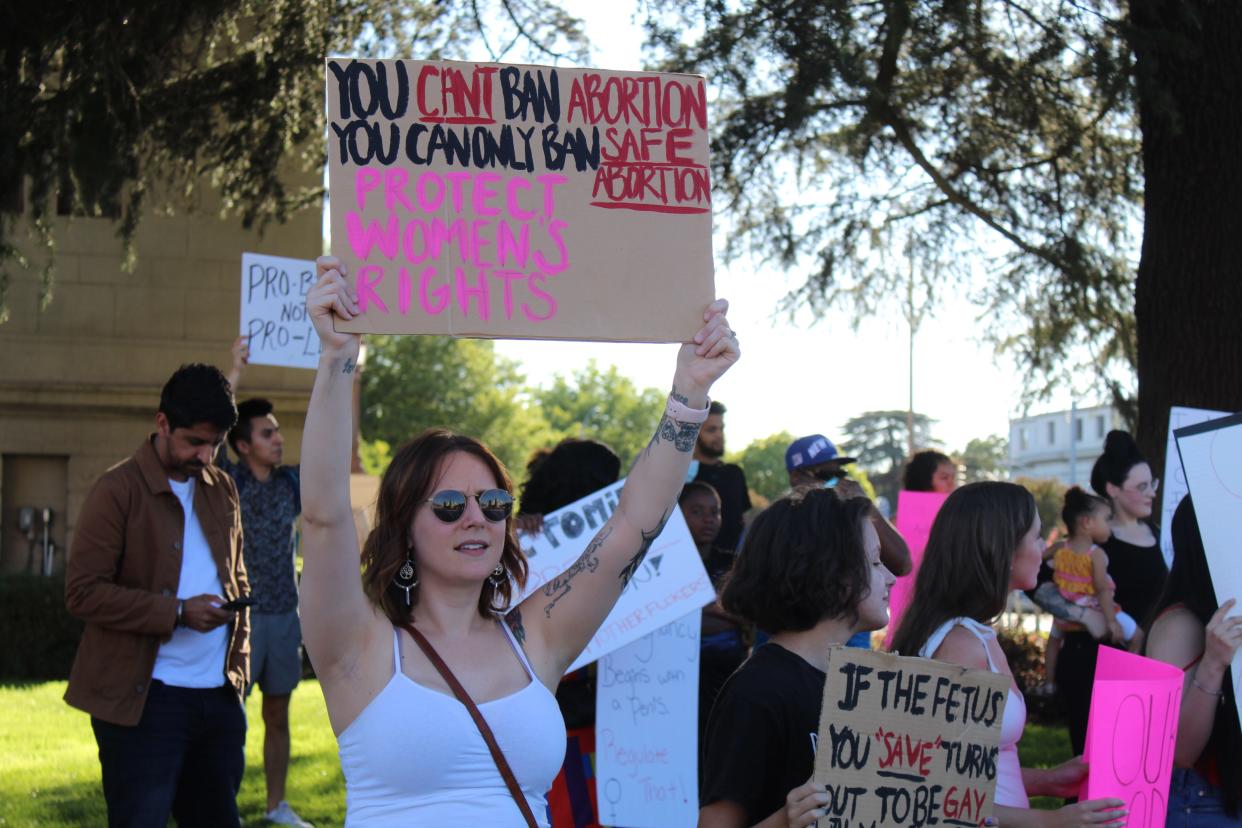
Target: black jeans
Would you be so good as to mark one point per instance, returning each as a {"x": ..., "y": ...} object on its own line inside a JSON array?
[{"x": 185, "y": 756}]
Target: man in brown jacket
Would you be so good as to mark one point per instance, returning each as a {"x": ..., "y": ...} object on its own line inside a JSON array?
[{"x": 155, "y": 565}]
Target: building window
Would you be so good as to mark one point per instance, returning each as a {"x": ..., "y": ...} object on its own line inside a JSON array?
[
  {"x": 1052, "y": 433},
  {"x": 1099, "y": 426},
  {"x": 1078, "y": 429},
  {"x": 1022, "y": 438}
]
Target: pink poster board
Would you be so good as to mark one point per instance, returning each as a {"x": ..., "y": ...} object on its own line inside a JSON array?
[
  {"x": 915, "y": 513},
  {"x": 1132, "y": 733}
]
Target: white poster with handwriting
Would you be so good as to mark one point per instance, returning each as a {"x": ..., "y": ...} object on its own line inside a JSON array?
[
  {"x": 1210, "y": 455},
  {"x": 273, "y": 311},
  {"x": 1174, "y": 482},
  {"x": 646, "y": 723},
  {"x": 670, "y": 582}
]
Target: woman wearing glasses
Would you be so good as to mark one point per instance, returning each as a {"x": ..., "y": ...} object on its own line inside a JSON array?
[
  {"x": 1122, "y": 475},
  {"x": 441, "y": 565}
]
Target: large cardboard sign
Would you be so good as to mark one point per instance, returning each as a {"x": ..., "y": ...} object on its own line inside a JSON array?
[
  {"x": 1173, "y": 485},
  {"x": 670, "y": 583},
  {"x": 1211, "y": 455},
  {"x": 646, "y": 725},
  {"x": 273, "y": 311},
  {"x": 503, "y": 200},
  {"x": 916, "y": 511},
  {"x": 907, "y": 741},
  {"x": 1132, "y": 733}
]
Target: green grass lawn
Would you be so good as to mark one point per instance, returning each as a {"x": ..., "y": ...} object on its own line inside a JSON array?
[
  {"x": 49, "y": 770},
  {"x": 1043, "y": 746}
]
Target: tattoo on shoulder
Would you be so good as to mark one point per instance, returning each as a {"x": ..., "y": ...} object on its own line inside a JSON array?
[
  {"x": 349, "y": 366},
  {"x": 648, "y": 538},
  {"x": 514, "y": 620},
  {"x": 588, "y": 561}
]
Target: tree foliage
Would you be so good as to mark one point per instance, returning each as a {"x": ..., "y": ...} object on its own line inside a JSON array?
[
  {"x": 956, "y": 131},
  {"x": 107, "y": 104},
  {"x": 880, "y": 441},
  {"x": 602, "y": 405},
  {"x": 764, "y": 463},
  {"x": 985, "y": 458},
  {"x": 411, "y": 383},
  {"x": 1049, "y": 498}
]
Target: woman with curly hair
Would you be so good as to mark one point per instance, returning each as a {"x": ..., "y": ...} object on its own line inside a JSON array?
[{"x": 810, "y": 572}]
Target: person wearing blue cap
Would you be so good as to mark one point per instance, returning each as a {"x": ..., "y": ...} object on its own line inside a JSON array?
[{"x": 813, "y": 461}]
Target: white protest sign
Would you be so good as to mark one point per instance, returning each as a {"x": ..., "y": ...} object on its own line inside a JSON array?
[
  {"x": 273, "y": 311},
  {"x": 646, "y": 725},
  {"x": 1211, "y": 456},
  {"x": 1174, "y": 481},
  {"x": 670, "y": 583}
]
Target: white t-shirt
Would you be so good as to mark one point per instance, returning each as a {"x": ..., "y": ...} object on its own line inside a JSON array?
[{"x": 189, "y": 658}]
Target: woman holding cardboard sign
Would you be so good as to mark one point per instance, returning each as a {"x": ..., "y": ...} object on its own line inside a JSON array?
[
  {"x": 1194, "y": 633},
  {"x": 439, "y": 569},
  {"x": 809, "y": 571},
  {"x": 984, "y": 543}
]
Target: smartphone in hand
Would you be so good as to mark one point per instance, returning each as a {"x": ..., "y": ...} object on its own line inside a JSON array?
[{"x": 238, "y": 603}]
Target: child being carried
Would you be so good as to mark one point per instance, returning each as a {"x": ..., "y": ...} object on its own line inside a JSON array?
[{"x": 1081, "y": 566}]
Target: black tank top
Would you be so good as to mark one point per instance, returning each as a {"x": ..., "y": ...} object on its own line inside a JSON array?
[{"x": 1139, "y": 572}]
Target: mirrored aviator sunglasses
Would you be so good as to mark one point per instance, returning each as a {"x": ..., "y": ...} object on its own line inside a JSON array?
[{"x": 450, "y": 504}]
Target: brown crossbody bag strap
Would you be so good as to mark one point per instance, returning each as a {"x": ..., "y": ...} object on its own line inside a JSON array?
[{"x": 502, "y": 764}]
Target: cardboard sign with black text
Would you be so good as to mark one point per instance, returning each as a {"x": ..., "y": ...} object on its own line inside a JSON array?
[
  {"x": 511, "y": 200},
  {"x": 907, "y": 741}
]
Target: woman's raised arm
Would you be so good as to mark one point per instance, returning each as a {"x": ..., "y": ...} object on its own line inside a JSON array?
[
  {"x": 333, "y": 607},
  {"x": 560, "y": 617}
]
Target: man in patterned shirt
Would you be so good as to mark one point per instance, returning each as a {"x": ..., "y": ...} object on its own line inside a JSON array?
[{"x": 270, "y": 503}]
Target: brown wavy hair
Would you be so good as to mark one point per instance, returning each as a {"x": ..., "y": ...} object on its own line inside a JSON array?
[{"x": 405, "y": 485}]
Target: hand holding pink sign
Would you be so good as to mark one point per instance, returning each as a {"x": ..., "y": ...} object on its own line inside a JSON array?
[{"x": 1132, "y": 733}]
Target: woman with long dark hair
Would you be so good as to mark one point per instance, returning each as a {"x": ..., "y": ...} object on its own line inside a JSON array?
[
  {"x": 984, "y": 543},
  {"x": 1193, "y": 632},
  {"x": 440, "y": 569}
]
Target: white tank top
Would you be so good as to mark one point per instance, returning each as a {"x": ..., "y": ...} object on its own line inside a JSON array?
[
  {"x": 1010, "y": 791},
  {"x": 414, "y": 757}
]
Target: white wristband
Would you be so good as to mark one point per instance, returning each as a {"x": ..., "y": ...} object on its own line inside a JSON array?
[{"x": 682, "y": 413}]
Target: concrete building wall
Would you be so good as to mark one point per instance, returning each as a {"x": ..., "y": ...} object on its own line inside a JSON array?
[
  {"x": 80, "y": 379},
  {"x": 1058, "y": 446}
]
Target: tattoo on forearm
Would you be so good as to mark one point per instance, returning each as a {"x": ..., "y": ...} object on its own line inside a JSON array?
[
  {"x": 1051, "y": 601},
  {"x": 681, "y": 398},
  {"x": 514, "y": 620},
  {"x": 349, "y": 366},
  {"x": 681, "y": 435},
  {"x": 648, "y": 538},
  {"x": 588, "y": 561}
]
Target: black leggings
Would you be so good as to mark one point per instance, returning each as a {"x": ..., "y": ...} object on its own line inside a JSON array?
[{"x": 1075, "y": 677}]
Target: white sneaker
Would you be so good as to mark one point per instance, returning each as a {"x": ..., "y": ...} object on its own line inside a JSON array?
[{"x": 284, "y": 815}]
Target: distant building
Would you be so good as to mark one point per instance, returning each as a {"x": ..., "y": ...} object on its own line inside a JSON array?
[
  {"x": 1061, "y": 445},
  {"x": 80, "y": 379}
]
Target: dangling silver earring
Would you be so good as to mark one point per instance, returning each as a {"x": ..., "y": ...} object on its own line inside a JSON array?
[
  {"x": 498, "y": 576},
  {"x": 406, "y": 578}
]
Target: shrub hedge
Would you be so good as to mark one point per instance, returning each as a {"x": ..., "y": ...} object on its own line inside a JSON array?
[{"x": 40, "y": 637}]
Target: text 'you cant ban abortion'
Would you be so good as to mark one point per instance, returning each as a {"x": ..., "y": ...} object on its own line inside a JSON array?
[{"x": 508, "y": 200}]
